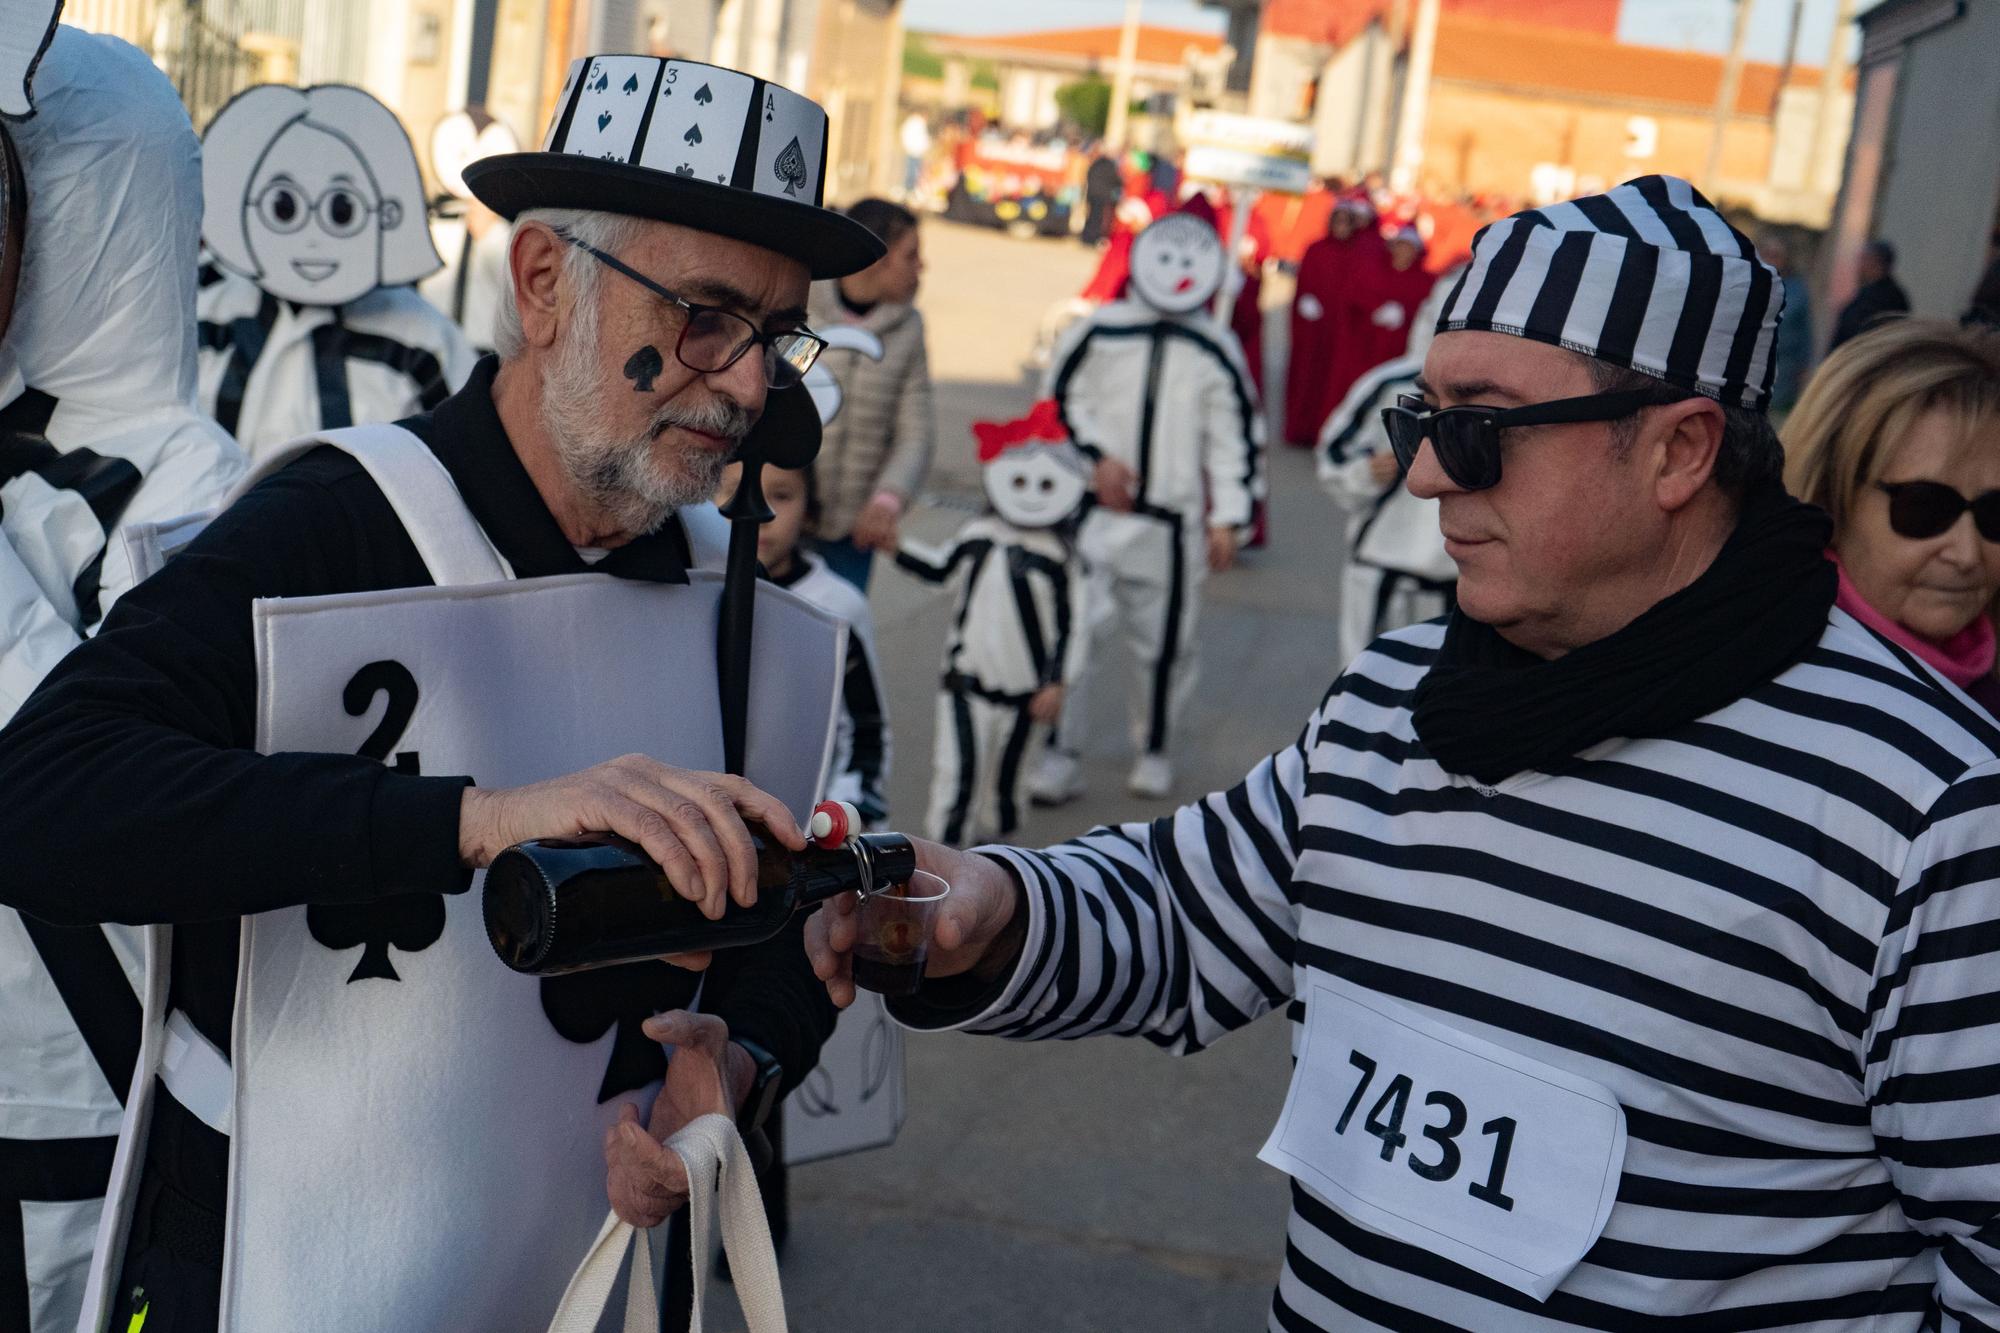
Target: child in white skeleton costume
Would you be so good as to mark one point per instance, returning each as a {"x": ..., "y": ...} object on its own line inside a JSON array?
[
  {"x": 1397, "y": 571},
  {"x": 860, "y": 772},
  {"x": 98, "y": 427},
  {"x": 1156, "y": 393},
  {"x": 1017, "y": 638},
  {"x": 315, "y": 225}
]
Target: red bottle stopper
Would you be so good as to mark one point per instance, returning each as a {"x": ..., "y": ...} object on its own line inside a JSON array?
[{"x": 831, "y": 824}]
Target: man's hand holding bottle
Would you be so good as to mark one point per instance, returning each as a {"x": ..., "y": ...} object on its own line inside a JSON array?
[
  {"x": 690, "y": 823},
  {"x": 979, "y": 931}
]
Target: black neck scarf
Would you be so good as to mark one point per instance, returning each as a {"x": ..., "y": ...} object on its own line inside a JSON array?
[{"x": 1488, "y": 710}]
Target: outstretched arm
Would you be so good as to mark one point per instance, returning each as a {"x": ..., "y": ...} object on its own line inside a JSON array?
[{"x": 1178, "y": 930}]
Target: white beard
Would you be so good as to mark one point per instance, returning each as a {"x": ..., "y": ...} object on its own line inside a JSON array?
[{"x": 621, "y": 476}]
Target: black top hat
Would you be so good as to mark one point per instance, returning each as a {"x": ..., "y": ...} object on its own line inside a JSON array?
[{"x": 687, "y": 143}]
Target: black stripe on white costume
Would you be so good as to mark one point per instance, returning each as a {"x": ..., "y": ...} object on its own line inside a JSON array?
[{"x": 1774, "y": 935}]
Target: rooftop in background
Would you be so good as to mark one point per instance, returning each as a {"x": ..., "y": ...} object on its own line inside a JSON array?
[
  {"x": 1557, "y": 60},
  {"x": 1083, "y": 46},
  {"x": 1337, "y": 22}
]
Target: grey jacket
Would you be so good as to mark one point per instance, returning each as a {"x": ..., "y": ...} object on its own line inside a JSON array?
[{"x": 883, "y": 436}]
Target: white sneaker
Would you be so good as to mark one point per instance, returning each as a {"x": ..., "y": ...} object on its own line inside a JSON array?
[
  {"x": 1057, "y": 779},
  {"x": 1151, "y": 777}
]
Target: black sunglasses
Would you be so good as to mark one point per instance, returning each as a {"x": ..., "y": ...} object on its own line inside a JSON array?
[
  {"x": 714, "y": 339},
  {"x": 1921, "y": 509},
  {"x": 1467, "y": 439}
]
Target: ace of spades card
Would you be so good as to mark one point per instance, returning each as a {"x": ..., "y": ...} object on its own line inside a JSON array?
[
  {"x": 607, "y": 117},
  {"x": 446, "y": 1121},
  {"x": 791, "y": 146},
  {"x": 698, "y": 117}
]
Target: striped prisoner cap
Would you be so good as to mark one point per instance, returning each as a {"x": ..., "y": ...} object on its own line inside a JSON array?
[{"x": 1647, "y": 276}]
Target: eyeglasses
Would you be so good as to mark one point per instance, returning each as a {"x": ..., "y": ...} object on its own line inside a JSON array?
[
  {"x": 341, "y": 210},
  {"x": 1921, "y": 509},
  {"x": 1467, "y": 439},
  {"x": 714, "y": 339}
]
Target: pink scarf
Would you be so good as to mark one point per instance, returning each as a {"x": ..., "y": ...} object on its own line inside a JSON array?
[{"x": 1965, "y": 657}]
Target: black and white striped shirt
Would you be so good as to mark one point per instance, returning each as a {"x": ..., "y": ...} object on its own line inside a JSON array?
[{"x": 1774, "y": 935}]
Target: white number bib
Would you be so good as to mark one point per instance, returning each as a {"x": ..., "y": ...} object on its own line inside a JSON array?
[{"x": 1488, "y": 1157}]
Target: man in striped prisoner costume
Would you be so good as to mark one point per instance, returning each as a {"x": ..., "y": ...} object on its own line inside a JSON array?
[{"x": 1637, "y": 922}]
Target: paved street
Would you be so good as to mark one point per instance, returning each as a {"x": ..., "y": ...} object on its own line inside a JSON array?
[{"x": 1089, "y": 1186}]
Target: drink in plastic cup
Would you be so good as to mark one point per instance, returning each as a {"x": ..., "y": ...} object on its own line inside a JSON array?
[{"x": 895, "y": 934}]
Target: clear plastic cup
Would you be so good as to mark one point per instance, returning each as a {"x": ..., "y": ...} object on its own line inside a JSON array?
[{"x": 894, "y": 934}]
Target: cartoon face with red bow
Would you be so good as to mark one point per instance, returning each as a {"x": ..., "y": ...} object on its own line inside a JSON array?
[{"x": 1035, "y": 478}]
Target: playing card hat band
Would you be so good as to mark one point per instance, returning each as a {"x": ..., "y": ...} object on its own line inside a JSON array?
[{"x": 692, "y": 144}]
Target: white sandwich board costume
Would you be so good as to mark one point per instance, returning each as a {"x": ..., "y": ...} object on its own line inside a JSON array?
[
  {"x": 1397, "y": 571},
  {"x": 1018, "y": 627},
  {"x": 1160, "y": 385},
  {"x": 468, "y": 1146},
  {"x": 98, "y": 426},
  {"x": 316, "y": 226}
]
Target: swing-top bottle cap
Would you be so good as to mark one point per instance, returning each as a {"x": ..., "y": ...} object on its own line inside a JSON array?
[{"x": 832, "y": 823}]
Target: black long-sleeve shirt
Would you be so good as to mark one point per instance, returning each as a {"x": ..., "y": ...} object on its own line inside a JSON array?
[{"x": 130, "y": 789}]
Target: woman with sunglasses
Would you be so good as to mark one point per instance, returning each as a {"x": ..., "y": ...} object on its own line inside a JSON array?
[{"x": 1898, "y": 438}]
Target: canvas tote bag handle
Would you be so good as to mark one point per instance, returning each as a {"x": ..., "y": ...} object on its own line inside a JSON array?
[{"x": 710, "y": 1147}]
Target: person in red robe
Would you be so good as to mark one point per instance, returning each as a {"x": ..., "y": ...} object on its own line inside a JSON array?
[
  {"x": 1318, "y": 372},
  {"x": 1388, "y": 297}
]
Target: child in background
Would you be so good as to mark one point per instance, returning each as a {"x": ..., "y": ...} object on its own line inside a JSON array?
[
  {"x": 861, "y": 740},
  {"x": 1017, "y": 639}
]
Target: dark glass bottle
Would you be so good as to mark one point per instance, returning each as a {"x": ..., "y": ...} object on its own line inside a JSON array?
[{"x": 559, "y": 905}]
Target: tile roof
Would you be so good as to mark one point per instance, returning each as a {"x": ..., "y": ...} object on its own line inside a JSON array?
[
  {"x": 1157, "y": 46},
  {"x": 1555, "y": 60}
]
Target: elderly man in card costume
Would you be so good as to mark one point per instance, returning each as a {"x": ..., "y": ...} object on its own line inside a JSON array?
[
  {"x": 1017, "y": 640},
  {"x": 348, "y": 1114},
  {"x": 316, "y": 225},
  {"x": 99, "y": 426},
  {"x": 1155, "y": 393},
  {"x": 1638, "y": 923}
]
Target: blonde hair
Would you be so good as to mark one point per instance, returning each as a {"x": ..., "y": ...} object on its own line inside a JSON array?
[{"x": 1865, "y": 398}]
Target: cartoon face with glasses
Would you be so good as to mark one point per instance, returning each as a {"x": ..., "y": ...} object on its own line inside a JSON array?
[{"x": 314, "y": 194}]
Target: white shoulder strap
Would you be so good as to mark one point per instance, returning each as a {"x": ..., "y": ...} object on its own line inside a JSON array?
[
  {"x": 454, "y": 548},
  {"x": 708, "y": 536}
]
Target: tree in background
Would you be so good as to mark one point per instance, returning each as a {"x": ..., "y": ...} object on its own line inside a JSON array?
[{"x": 1085, "y": 104}]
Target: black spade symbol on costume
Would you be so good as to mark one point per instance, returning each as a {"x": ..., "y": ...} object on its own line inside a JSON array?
[
  {"x": 791, "y": 167},
  {"x": 703, "y": 96},
  {"x": 583, "y": 1006},
  {"x": 603, "y": 119},
  {"x": 603, "y": 82},
  {"x": 631, "y": 84},
  {"x": 411, "y": 922},
  {"x": 693, "y": 135}
]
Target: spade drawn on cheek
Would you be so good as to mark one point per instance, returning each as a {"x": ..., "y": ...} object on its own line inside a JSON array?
[{"x": 643, "y": 367}]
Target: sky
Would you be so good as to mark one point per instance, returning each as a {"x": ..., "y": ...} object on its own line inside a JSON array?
[{"x": 1697, "y": 24}]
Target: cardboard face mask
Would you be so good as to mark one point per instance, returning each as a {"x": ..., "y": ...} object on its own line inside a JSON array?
[
  {"x": 1178, "y": 264},
  {"x": 26, "y": 29},
  {"x": 314, "y": 194},
  {"x": 461, "y": 139},
  {"x": 1036, "y": 485}
]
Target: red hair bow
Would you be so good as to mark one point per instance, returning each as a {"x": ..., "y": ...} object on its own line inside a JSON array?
[{"x": 1042, "y": 425}]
